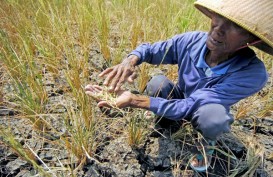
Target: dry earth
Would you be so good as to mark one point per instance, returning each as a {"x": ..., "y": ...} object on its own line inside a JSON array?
[{"x": 160, "y": 155}]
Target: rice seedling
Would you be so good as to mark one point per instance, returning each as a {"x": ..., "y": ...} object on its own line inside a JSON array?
[
  {"x": 24, "y": 152},
  {"x": 143, "y": 77},
  {"x": 26, "y": 82},
  {"x": 254, "y": 158},
  {"x": 223, "y": 157},
  {"x": 103, "y": 24},
  {"x": 137, "y": 130},
  {"x": 81, "y": 142}
]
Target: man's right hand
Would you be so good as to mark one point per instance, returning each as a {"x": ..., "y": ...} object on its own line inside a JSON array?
[
  {"x": 117, "y": 75},
  {"x": 121, "y": 100}
]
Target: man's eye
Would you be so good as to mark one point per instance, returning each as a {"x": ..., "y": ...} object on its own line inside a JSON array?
[{"x": 237, "y": 27}]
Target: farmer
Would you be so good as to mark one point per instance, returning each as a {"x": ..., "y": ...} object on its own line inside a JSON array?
[{"x": 216, "y": 69}]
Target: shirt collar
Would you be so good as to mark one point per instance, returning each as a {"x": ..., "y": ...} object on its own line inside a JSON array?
[
  {"x": 216, "y": 70},
  {"x": 201, "y": 63}
]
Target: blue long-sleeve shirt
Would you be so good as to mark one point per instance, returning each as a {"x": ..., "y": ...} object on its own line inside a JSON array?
[{"x": 238, "y": 78}]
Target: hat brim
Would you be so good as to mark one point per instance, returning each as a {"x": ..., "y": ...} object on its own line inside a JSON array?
[{"x": 207, "y": 9}]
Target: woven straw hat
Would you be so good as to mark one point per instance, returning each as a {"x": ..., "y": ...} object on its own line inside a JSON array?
[{"x": 255, "y": 16}]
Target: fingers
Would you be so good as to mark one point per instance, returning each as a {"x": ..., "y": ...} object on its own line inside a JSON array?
[
  {"x": 117, "y": 81},
  {"x": 97, "y": 93},
  {"x": 104, "y": 104},
  {"x": 117, "y": 75},
  {"x": 123, "y": 74},
  {"x": 92, "y": 95},
  {"x": 106, "y": 71},
  {"x": 110, "y": 73},
  {"x": 93, "y": 88},
  {"x": 111, "y": 76},
  {"x": 93, "y": 91},
  {"x": 98, "y": 88},
  {"x": 126, "y": 76},
  {"x": 132, "y": 77}
]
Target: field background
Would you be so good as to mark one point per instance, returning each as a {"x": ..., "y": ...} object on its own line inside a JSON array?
[{"x": 51, "y": 49}]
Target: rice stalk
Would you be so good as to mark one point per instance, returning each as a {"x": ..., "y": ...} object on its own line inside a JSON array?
[
  {"x": 143, "y": 78},
  {"x": 9, "y": 139},
  {"x": 136, "y": 129}
]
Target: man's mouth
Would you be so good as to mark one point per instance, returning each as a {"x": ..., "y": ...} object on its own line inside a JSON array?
[{"x": 215, "y": 42}]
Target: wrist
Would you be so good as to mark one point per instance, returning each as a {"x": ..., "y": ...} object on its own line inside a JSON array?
[
  {"x": 140, "y": 101},
  {"x": 132, "y": 59}
]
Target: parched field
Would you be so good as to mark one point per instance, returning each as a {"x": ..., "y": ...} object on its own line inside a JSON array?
[{"x": 51, "y": 49}]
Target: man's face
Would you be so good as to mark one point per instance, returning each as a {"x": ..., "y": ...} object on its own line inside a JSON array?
[{"x": 225, "y": 37}]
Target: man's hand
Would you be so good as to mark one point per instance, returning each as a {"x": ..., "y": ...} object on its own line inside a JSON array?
[
  {"x": 117, "y": 75},
  {"x": 120, "y": 99}
]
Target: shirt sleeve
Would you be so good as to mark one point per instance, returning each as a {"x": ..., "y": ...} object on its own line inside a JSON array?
[
  {"x": 163, "y": 52},
  {"x": 233, "y": 88}
]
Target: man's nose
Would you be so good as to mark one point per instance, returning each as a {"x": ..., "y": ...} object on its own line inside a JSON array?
[{"x": 221, "y": 27}]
